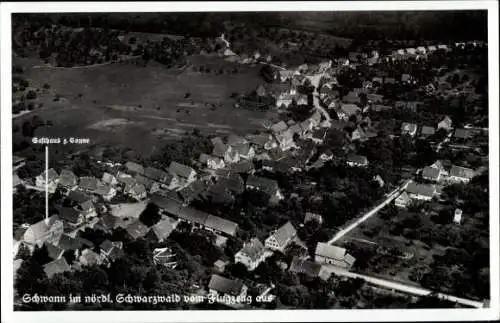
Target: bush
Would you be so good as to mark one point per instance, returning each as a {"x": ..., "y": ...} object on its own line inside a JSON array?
[{"x": 31, "y": 95}]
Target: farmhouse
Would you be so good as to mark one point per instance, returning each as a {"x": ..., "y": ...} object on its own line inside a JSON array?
[
  {"x": 47, "y": 230},
  {"x": 445, "y": 124},
  {"x": 109, "y": 179},
  {"x": 134, "y": 168},
  {"x": 423, "y": 192},
  {"x": 268, "y": 186},
  {"x": 313, "y": 217},
  {"x": 357, "y": 160},
  {"x": 184, "y": 173},
  {"x": 431, "y": 174},
  {"x": 333, "y": 255},
  {"x": 55, "y": 267},
  {"x": 220, "y": 286},
  {"x": 460, "y": 174},
  {"x": 251, "y": 255},
  {"x": 409, "y": 129},
  {"x": 280, "y": 239},
  {"x": 402, "y": 200},
  {"x": 212, "y": 162},
  {"x": 107, "y": 192},
  {"x": 68, "y": 180},
  {"x": 161, "y": 230},
  {"x": 308, "y": 268}
]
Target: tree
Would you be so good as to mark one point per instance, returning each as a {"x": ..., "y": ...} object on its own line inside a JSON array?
[
  {"x": 150, "y": 216},
  {"x": 31, "y": 95}
]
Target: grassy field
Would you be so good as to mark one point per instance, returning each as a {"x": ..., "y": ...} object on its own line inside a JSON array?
[{"x": 150, "y": 103}]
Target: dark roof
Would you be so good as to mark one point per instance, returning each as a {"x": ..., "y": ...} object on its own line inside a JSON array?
[
  {"x": 57, "y": 266},
  {"x": 107, "y": 221},
  {"x": 222, "y": 225},
  {"x": 302, "y": 266},
  {"x": 430, "y": 172},
  {"x": 137, "y": 229},
  {"x": 266, "y": 185},
  {"x": 233, "y": 140},
  {"x": 220, "y": 149},
  {"x": 243, "y": 166},
  {"x": 106, "y": 246},
  {"x": 88, "y": 183},
  {"x": 68, "y": 214},
  {"x": 421, "y": 189},
  {"x": 155, "y": 174},
  {"x": 192, "y": 215},
  {"x": 134, "y": 167},
  {"x": 225, "y": 285},
  {"x": 233, "y": 183},
  {"x": 143, "y": 180},
  {"x": 67, "y": 242},
  {"x": 67, "y": 178},
  {"x": 462, "y": 172},
  {"x": 179, "y": 169},
  {"x": 169, "y": 205},
  {"x": 350, "y": 109},
  {"x": 357, "y": 159}
]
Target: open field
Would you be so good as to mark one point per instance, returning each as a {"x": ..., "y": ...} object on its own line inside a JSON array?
[{"x": 130, "y": 104}]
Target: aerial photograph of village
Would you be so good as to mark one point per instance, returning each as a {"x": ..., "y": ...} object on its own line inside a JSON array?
[{"x": 250, "y": 160}]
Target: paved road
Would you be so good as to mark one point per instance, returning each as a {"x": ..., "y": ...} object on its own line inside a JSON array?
[
  {"x": 390, "y": 197},
  {"x": 409, "y": 289}
]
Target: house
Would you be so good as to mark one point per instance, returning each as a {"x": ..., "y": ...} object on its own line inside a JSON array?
[
  {"x": 402, "y": 200},
  {"x": 220, "y": 265},
  {"x": 225, "y": 152},
  {"x": 137, "y": 230},
  {"x": 88, "y": 184},
  {"x": 136, "y": 191},
  {"x": 427, "y": 131},
  {"x": 79, "y": 197},
  {"x": 52, "y": 180},
  {"x": 124, "y": 179},
  {"x": 185, "y": 173},
  {"x": 134, "y": 168},
  {"x": 220, "y": 225},
  {"x": 379, "y": 181},
  {"x": 47, "y": 230},
  {"x": 233, "y": 140},
  {"x": 431, "y": 48},
  {"x": 107, "y": 192},
  {"x": 285, "y": 140},
  {"x": 56, "y": 267},
  {"x": 457, "y": 216},
  {"x": 68, "y": 180},
  {"x": 232, "y": 288},
  {"x": 431, "y": 174},
  {"x": 251, "y": 255},
  {"x": 90, "y": 258},
  {"x": 87, "y": 209},
  {"x": 423, "y": 192},
  {"x": 244, "y": 150},
  {"x": 445, "y": 124},
  {"x": 157, "y": 175},
  {"x": 443, "y": 47},
  {"x": 406, "y": 78},
  {"x": 161, "y": 230},
  {"x": 109, "y": 179},
  {"x": 421, "y": 50},
  {"x": 212, "y": 162},
  {"x": 313, "y": 217},
  {"x": 143, "y": 180},
  {"x": 333, "y": 255},
  {"x": 460, "y": 174},
  {"x": 111, "y": 250},
  {"x": 266, "y": 185},
  {"x": 286, "y": 75},
  {"x": 357, "y": 160},
  {"x": 309, "y": 268},
  {"x": 164, "y": 256},
  {"x": 284, "y": 100},
  {"x": 409, "y": 129},
  {"x": 374, "y": 98},
  {"x": 411, "y": 51},
  {"x": 280, "y": 238},
  {"x": 71, "y": 216}
]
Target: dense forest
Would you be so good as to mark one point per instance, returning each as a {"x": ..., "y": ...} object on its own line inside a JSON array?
[{"x": 394, "y": 25}]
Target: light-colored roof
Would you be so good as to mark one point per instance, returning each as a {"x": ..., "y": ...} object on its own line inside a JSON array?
[
  {"x": 57, "y": 266},
  {"x": 329, "y": 251},
  {"x": 404, "y": 197},
  {"x": 350, "y": 109},
  {"x": 52, "y": 175},
  {"x": 312, "y": 217},
  {"x": 16, "y": 180},
  {"x": 235, "y": 140},
  {"x": 107, "y": 178},
  {"x": 421, "y": 189},
  {"x": 41, "y": 227},
  {"x": 426, "y": 130},
  {"x": 67, "y": 178},
  {"x": 222, "y": 225},
  {"x": 164, "y": 228},
  {"x": 279, "y": 127},
  {"x": 134, "y": 167},
  {"x": 253, "y": 249},
  {"x": 137, "y": 229},
  {"x": 88, "y": 183},
  {"x": 430, "y": 172},
  {"x": 408, "y": 127},
  {"x": 285, "y": 233}
]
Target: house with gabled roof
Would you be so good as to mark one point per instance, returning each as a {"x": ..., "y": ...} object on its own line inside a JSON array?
[
  {"x": 462, "y": 134},
  {"x": 109, "y": 179},
  {"x": 143, "y": 180},
  {"x": 136, "y": 191},
  {"x": 309, "y": 268},
  {"x": 156, "y": 174},
  {"x": 162, "y": 229},
  {"x": 220, "y": 226},
  {"x": 47, "y": 230},
  {"x": 244, "y": 150},
  {"x": 107, "y": 192},
  {"x": 68, "y": 180},
  {"x": 88, "y": 184},
  {"x": 280, "y": 238},
  {"x": 279, "y": 127},
  {"x": 134, "y": 168},
  {"x": 51, "y": 184},
  {"x": 251, "y": 255},
  {"x": 432, "y": 174},
  {"x": 54, "y": 251},
  {"x": 427, "y": 131},
  {"x": 184, "y": 173},
  {"x": 70, "y": 216},
  {"x": 234, "y": 139},
  {"x": 266, "y": 185},
  {"x": 87, "y": 209},
  {"x": 221, "y": 286},
  {"x": 89, "y": 257},
  {"x": 460, "y": 174},
  {"x": 212, "y": 162},
  {"x": 313, "y": 217},
  {"x": 56, "y": 267},
  {"x": 333, "y": 255},
  {"x": 225, "y": 152},
  {"x": 424, "y": 192},
  {"x": 137, "y": 230},
  {"x": 402, "y": 200}
]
